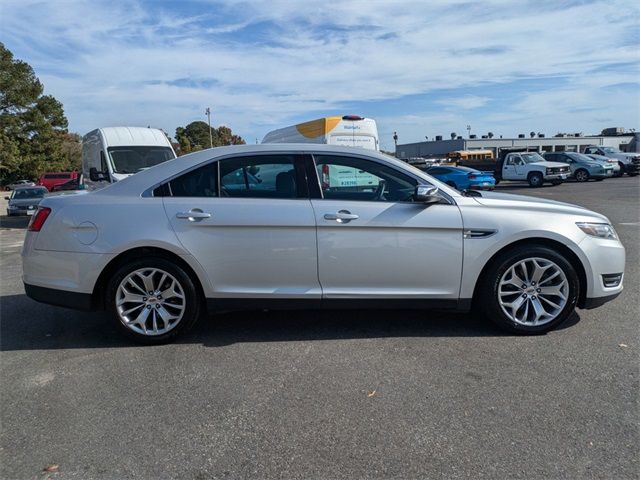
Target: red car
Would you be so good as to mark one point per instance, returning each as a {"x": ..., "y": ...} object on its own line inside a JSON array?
[{"x": 50, "y": 180}]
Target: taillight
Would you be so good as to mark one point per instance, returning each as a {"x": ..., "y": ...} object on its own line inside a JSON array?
[
  {"x": 472, "y": 176},
  {"x": 37, "y": 221},
  {"x": 325, "y": 176}
]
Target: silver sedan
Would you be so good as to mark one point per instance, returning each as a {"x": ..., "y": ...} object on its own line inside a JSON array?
[{"x": 313, "y": 226}]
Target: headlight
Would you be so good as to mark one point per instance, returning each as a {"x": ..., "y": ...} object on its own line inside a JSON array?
[{"x": 600, "y": 230}]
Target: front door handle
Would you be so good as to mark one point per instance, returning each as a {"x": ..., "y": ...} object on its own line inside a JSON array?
[
  {"x": 193, "y": 215},
  {"x": 342, "y": 216}
]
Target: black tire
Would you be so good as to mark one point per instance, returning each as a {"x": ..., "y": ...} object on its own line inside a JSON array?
[
  {"x": 620, "y": 172},
  {"x": 193, "y": 303},
  {"x": 632, "y": 174},
  {"x": 490, "y": 281},
  {"x": 581, "y": 175},
  {"x": 535, "y": 179}
]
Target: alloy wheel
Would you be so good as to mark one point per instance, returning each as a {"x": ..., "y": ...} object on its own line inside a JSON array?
[
  {"x": 533, "y": 291},
  {"x": 150, "y": 301}
]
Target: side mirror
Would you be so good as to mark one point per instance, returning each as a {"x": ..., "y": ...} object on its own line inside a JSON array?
[
  {"x": 6, "y": 198},
  {"x": 96, "y": 176},
  {"x": 426, "y": 194}
]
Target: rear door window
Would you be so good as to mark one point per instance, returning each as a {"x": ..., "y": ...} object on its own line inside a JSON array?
[{"x": 260, "y": 176}]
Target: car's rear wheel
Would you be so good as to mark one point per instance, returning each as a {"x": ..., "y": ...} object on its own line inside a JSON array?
[
  {"x": 620, "y": 172},
  {"x": 535, "y": 179},
  {"x": 581, "y": 175},
  {"x": 530, "y": 290},
  {"x": 153, "y": 300}
]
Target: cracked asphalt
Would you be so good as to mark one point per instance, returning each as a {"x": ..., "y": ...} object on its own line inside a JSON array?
[{"x": 331, "y": 394}]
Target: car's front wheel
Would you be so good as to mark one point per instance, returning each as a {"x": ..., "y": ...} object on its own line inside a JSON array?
[
  {"x": 582, "y": 175},
  {"x": 530, "y": 290},
  {"x": 536, "y": 179},
  {"x": 153, "y": 300}
]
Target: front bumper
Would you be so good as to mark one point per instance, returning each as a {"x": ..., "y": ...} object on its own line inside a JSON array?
[
  {"x": 604, "y": 257},
  {"x": 549, "y": 177}
]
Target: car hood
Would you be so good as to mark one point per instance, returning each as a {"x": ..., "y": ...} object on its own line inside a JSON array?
[
  {"x": 510, "y": 201},
  {"x": 550, "y": 164}
]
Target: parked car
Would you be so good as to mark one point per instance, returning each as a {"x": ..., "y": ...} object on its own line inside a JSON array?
[
  {"x": 629, "y": 162},
  {"x": 617, "y": 171},
  {"x": 25, "y": 200},
  {"x": 532, "y": 168},
  {"x": 173, "y": 241},
  {"x": 463, "y": 178},
  {"x": 50, "y": 180},
  {"x": 582, "y": 167},
  {"x": 74, "y": 184},
  {"x": 19, "y": 183}
]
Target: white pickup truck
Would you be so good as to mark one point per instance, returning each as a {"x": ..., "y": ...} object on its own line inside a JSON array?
[{"x": 532, "y": 168}]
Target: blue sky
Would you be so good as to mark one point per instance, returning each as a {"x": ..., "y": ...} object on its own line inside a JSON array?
[{"x": 421, "y": 68}]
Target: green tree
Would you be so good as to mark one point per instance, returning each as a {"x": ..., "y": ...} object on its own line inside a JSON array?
[
  {"x": 195, "y": 136},
  {"x": 33, "y": 127}
]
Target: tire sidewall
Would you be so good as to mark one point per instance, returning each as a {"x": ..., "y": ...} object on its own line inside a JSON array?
[
  {"x": 193, "y": 301},
  {"x": 491, "y": 283}
]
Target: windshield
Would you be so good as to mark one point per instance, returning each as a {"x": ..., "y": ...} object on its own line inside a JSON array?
[
  {"x": 531, "y": 157},
  {"x": 28, "y": 193},
  {"x": 134, "y": 159},
  {"x": 611, "y": 149}
]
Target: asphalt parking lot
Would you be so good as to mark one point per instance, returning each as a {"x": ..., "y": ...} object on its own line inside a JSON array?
[{"x": 334, "y": 394}]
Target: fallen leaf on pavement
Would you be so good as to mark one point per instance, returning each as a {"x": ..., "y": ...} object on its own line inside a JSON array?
[
  {"x": 623, "y": 345},
  {"x": 371, "y": 394},
  {"x": 52, "y": 468}
]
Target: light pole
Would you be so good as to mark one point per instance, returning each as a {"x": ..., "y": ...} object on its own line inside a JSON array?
[
  {"x": 208, "y": 113},
  {"x": 395, "y": 141},
  {"x": 469, "y": 131}
]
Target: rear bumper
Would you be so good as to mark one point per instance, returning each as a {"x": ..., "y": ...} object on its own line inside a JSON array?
[{"x": 61, "y": 298}]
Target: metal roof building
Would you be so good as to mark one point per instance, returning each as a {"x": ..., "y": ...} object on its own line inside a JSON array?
[{"x": 575, "y": 143}]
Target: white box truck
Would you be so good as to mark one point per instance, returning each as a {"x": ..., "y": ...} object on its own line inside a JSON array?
[
  {"x": 110, "y": 154},
  {"x": 346, "y": 131}
]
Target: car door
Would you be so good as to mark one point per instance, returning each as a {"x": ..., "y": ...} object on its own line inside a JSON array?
[
  {"x": 374, "y": 242},
  {"x": 253, "y": 230},
  {"x": 509, "y": 168}
]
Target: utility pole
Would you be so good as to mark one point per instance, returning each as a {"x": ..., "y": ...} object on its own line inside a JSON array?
[{"x": 208, "y": 113}]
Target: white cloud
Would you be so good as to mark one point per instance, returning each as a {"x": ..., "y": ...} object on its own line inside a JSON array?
[
  {"x": 118, "y": 62},
  {"x": 465, "y": 102}
]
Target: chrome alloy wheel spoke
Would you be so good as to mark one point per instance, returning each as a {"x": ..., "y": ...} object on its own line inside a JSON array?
[
  {"x": 533, "y": 291},
  {"x": 150, "y": 301}
]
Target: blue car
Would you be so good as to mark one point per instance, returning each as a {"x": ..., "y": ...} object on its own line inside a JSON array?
[{"x": 463, "y": 178}]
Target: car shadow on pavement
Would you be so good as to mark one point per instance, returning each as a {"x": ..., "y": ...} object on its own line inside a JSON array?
[
  {"x": 14, "y": 221},
  {"x": 28, "y": 325}
]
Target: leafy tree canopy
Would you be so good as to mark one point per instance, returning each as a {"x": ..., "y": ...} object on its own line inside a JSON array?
[
  {"x": 33, "y": 127},
  {"x": 195, "y": 136}
]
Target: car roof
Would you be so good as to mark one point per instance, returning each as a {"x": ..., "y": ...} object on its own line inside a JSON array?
[
  {"x": 141, "y": 181},
  {"x": 31, "y": 187}
]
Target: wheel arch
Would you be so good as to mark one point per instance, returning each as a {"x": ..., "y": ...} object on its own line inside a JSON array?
[
  {"x": 97, "y": 297},
  {"x": 543, "y": 242}
]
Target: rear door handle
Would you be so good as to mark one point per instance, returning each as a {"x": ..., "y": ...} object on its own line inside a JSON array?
[
  {"x": 193, "y": 215},
  {"x": 342, "y": 216}
]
